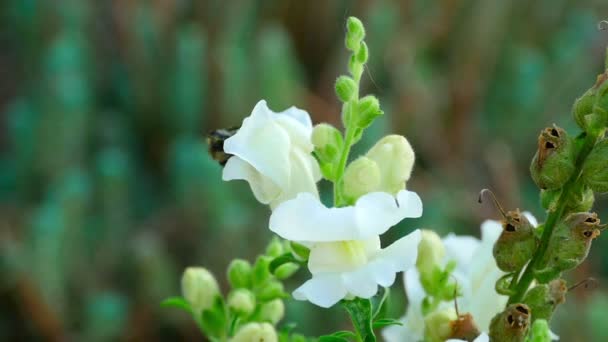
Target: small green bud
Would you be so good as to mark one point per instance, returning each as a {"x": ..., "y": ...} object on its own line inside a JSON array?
[
  {"x": 272, "y": 312},
  {"x": 199, "y": 288},
  {"x": 275, "y": 247},
  {"x": 299, "y": 251},
  {"x": 554, "y": 161},
  {"x": 270, "y": 291},
  {"x": 431, "y": 251},
  {"x": 261, "y": 270},
  {"x": 354, "y": 67},
  {"x": 583, "y": 106},
  {"x": 544, "y": 298},
  {"x": 346, "y": 88},
  {"x": 511, "y": 325},
  {"x": 286, "y": 270},
  {"x": 368, "y": 109},
  {"x": 258, "y": 332},
  {"x": 241, "y": 302},
  {"x": 355, "y": 33},
  {"x": 569, "y": 245},
  {"x": 362, "y": 176},
  {"x": 595, "y": 168},
  {"x": 581, "y": 201},
  {"x": 438, "y": 325},
  {"x": 395, "y": 158},
  {"x": 328, "y": 143},
  {"x": 516, "y": 244},
  {"x": 540, "y": 332},
  {"x": 363, "y": 53},
  {"x": 239, "y": 273}
]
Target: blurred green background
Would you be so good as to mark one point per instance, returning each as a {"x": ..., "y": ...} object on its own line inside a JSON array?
[{"x": 106, "y": 188}]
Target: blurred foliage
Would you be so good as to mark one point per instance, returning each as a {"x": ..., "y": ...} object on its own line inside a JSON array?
[{"x": 106, "y": 188}]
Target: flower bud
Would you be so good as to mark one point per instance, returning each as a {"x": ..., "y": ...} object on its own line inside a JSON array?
[
  {"x": 355, "y": 33},
  {"x": 595, "y": 168},
  {"x": 580, "y": 201},
  {"x": 368, "y": 109},
  {"x": 261, "y": 270},
  {"x": 430, "y": 251},
  {"x": 544, "y": 298},
  {"x": 363, "y": 53},
  {"x": 569, "y": 245},
  {"x": 554, "y": 161},
  {"x": 583, "y": 106},
  {"x": 395, "y": 158},
  {"x": 438, "y": 325},
  {"x": 275, "y": 247},
  {"x": 516, "y": 244},
  {"x": 239, "y": 274},
  {"x": 511, "y": 325},
  {"x": 199, "y": 288},
  {"x": 241, "y": 301},
  {"x": 540, "y": 332},
  {"x": 346, "y": 88},
  {"x": 362, "y": 176},
  {"x": 328, "y": 143},
  {"x": 270, "y": 291},
  {"x": 257, "y": 332},
  {"x": 286, "y": 270},
  {"x": 272, "y": 312}
]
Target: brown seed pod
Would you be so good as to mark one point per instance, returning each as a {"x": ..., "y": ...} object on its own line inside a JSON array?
[
  {"x": 544, "y": 298},
  {"x": 554, "y": 161},
  {"x": 517, "y": 242}
]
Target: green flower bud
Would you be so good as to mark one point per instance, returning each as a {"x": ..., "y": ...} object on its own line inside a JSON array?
[
  {"x": 583, "y": 106},
  {"x": 430, "y": 251},
  {"x": 346, "y": 88},
  {"x": 270, "y": 291},
  {"x": 438, "y": 325},
  {"x": 355, "y": 33},
  {"x": 368, "y": 109},
  {"x": 241, "y": 302},
  {"x": 511, "y": 325},
  {"x": 540, "y": 332},
  {"x": 275, "y": 247},
  {"x": 261, "y": 270},
  {"x": 569, "y": 245},
  {"x": 516, "y": 244},
  {"x": 544, "y": 298},
  {"x": 328, "y": 143},
  {"x": 272, "y": 312},
  {"x": 362, "y": 176},
  {"x": 554, "y": 161},
  {"x": 256, "y": 332},
  {"x": 363, "y": 53},
  {"x": 239, "y": 273},
  {"x": 395, "y": 157},
  {"x": 286, "y": 270},
  {"x": 595, "y": 168},
  {"x": 199, "y": 288},
  {"x": 581, "y": 201}
]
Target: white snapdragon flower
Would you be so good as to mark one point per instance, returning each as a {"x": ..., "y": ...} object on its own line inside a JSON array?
[
  {"x": 272, "y": 152},
  {"x": 345, "y": 254},
  {"x": 476, "y": 273}
]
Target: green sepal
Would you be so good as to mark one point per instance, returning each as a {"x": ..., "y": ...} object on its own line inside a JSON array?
[
  {"x": 379, "y": 301},
  {"x": 385, "y": 322},
  {"x": 360, "y": 311},
  {"x": 214, "y": 321},
  {"x": 343, "y": 335},
  {"x": 261, "y": 270},
  {"x": 282, "y": 260},
  {"x": 176, "y": 302}
]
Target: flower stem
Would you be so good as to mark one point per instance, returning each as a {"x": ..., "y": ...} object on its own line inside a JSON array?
[{"x": 553, "y": 218}]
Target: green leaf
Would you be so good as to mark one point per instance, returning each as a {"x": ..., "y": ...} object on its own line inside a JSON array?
[
  {"x": 343, "y": 335},
  {"x": 214, "y": 320},
  {"x": 176, "y": 302},
  {"x": 379, "y": 300},
  {"x": 386, "y": 322},
  {"x": 360, "y": 311}
]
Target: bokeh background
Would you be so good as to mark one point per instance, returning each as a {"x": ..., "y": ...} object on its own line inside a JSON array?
[{"x": 106, "y": 188}]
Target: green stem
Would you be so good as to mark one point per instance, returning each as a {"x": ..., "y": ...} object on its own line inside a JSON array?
[
  {"x": 552, "y": 219},
  {"x": 338, "y": 200}
]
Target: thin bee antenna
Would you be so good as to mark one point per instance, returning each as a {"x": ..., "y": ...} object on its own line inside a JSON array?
[
  {"x": 496, "y": 203},
  {"x": 586, "y": 283},
  {"x": 602, "y": 25}
]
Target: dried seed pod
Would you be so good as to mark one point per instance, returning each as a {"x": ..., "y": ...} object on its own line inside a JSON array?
[
  {"x": 511, "y": 325},
  {"x": 544, "y": 298},
  {"x": 595, "y": 168},
  {"x": 464, "y": 328},
  {"x": 517, "y": 242},
  {"x": 553, "y": 163},
  {"x": 569, "y": 245}
]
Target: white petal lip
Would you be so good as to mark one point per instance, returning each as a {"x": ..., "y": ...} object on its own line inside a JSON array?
[
  {"x": 327, "y": 289},
  {"x": 306, "y": 219}
]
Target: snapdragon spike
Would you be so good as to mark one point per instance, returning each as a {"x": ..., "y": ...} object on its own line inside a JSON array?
[
  {"x": 517, "y": 242},
  {"x": 554, "y": 161},
  {"x": 511, "y": 325},
  {"x": 569, "y": 245}
]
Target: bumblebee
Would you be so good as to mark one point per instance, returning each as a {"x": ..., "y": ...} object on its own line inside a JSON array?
[{"x": 215, "y": 140}]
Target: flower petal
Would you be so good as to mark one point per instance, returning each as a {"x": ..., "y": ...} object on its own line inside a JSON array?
[
  {"x": 531, "y": 218},
  {"x": 263, "y": 189},
  {"x": 304, "y": 176},
  {"x": 305, "y": 218},
  {"x": 490, "y": 231},
  {"x": 323, "y": 290},
  {"x": 460, "y": 248}
]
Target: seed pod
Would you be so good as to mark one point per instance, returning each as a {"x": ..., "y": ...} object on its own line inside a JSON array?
[
  {"x": 511, "y": 325},
  {"x": 569, "y": 245},
  {"x": 464, "y": 328},
  {"x": 553, "y": 163},
  {"x": 517, "y": 242},
  {"x": 595, "y": 168},
  {"x": 583, "y": 106},
  {"x": 544, "y": 298}
]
